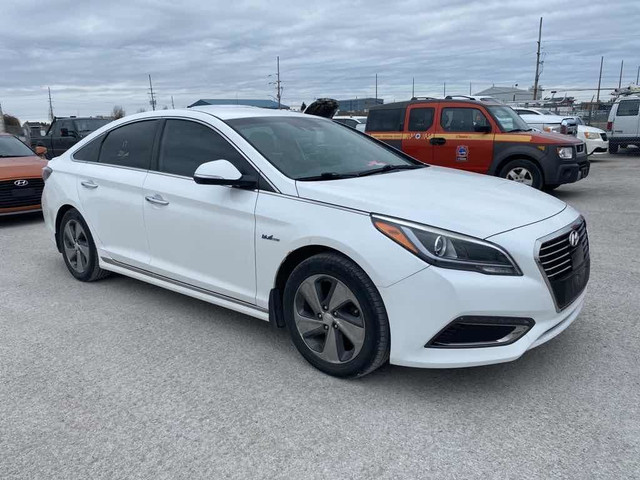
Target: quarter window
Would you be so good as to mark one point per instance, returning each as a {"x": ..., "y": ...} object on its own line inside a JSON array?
[
  {"x": 91, "y": 151},
  {"x": 386, "y": 120},
  {"x": 628, "y": 108},
  {"x": 130, "y": 145},
  {"x": 420, "y": 119},
  {"x": 186, "y": 145},
  {"x": 462, "y": 119}
]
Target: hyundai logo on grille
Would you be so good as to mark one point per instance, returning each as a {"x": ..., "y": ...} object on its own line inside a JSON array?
[
  {"x": 21, "y": 183},
  {"x": 574, "y": 238}
]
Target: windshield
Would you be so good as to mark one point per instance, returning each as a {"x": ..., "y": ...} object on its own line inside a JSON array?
[
  {"x": 12, "y": 147},
  {"x": 90, "y": 124},
  {"x": 508, "y": 119},
  {"x": 303, "y": 148}
]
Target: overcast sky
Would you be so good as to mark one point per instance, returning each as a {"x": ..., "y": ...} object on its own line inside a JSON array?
[{"x": 94, "y": 55}]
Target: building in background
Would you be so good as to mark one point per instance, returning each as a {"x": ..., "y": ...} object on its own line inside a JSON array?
[
  {"x": 509, "y": 94},
  {"x": 358, "y": 105},
  {"x": 239, "y": 101}
]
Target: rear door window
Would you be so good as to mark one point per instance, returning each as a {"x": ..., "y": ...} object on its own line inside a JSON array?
[
  {"x": 420, "y": 119},
  {"x": 186, "y": 145},
  {"x": 628, "y": 108},
  {"x": 386, "y": 120},
  {"x": 90, "y": 152},
  {"x": 130, "y": 145},
  {"x": 454, "y": 119}
]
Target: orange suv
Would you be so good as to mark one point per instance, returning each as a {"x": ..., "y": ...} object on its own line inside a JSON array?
[
  {"x": 482, "y": 137},
  {"x": 21, "y": 181}
]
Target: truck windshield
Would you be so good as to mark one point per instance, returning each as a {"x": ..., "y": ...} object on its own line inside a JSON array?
[
  {"x": 508, "y": 119},
  {"x": 312, "y": 148},
  {"x": 90, "y": 124},
  {"x": 12, "y": 147}
]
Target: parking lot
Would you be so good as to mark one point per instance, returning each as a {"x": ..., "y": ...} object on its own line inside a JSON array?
[{"x": 121, "y": 379}]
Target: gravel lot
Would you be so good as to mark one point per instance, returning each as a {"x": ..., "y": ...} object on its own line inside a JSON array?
[{"x": 120, "y": 379}]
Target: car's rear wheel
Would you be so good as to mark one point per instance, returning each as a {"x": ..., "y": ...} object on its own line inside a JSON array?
[
  {"x": 336, "y": 316},
  {"x": 523, "y": 171},
  {"x": 613, "y": 148},
  {"x": 78, "y": 248}
]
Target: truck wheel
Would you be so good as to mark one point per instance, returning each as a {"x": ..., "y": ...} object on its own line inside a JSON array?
[
  {"x": 613, "y": 148},
  {"x": 523, "y": 171}
]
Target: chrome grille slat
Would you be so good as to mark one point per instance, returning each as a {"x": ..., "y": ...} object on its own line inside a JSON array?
[
  {"x": 555, "y": 260},
  {"x": 569, "y": 267}
]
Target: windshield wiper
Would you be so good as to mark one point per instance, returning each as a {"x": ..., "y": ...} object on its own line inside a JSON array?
[
  {"x": 519, "y": 130},
  {"x": 389, "y": 168},
  {"x": 327, "y": 176}
]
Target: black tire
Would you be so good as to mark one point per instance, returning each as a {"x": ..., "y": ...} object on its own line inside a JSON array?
[
  {"x": 550, "y": 188},
  {"x": 613, "y": 147},
  {"x": 530, "y": 167},
  {"x": 91, "y": 270},
  {"x": 374, "y": 350}
]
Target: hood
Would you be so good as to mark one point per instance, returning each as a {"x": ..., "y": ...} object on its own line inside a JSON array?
[
  {"x": 587, "y": 128},
  {"x": 463, "y": 202},
  {"x": 21, "y": 167}
]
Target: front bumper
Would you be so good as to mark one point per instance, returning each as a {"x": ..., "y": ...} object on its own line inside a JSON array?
[
  {"x": 596, "y": 145},
  {"x": 420, "y": 306}
]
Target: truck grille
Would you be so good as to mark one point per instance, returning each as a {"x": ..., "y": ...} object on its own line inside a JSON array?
[
  {"x": 12, "y": 195},
  {"x": 566, "y": 267},
  {"x": 580, "y": 148}
]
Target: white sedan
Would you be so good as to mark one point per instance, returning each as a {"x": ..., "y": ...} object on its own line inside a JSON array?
[
  {"x": 364, "y": 254},
  {"x": 595, "y": 139}
]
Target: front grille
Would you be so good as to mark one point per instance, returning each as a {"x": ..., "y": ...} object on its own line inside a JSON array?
[
  {"x": 580, "y": 148},
  {"x": 604, "y": 136},
  {"x": 566, "y": 267},
  {"x": 12, "y": 195}
]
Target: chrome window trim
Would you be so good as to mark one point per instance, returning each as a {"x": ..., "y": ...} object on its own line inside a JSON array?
[{"x": 536, "y": 256}]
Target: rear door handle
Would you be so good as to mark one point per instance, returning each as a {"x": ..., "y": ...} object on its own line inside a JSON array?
[
  {"x": 156, "y": 199},
  {"x": 89, "y": 184},
  {"x": 437, "y": 141}
]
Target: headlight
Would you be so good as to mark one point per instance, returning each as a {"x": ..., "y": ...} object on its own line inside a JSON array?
[
  {"x": 447, "y": 249},
  {"x": 592, "y": 135},
  {"x": 554, "y": 129},
  {"x": 565, "y": 153}
]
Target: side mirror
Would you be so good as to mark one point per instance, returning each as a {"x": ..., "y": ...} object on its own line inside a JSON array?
[
  {"x": 222, "y": 172},
  {"x": 483, "y": 128},
  {"x": 41, "y": 151}
]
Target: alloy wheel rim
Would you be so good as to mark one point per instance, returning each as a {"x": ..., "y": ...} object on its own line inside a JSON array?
[
  {"x": 329, "y": 319},
  {"x": 76, "y": 246},
  {"x": 520, "y": 175}
]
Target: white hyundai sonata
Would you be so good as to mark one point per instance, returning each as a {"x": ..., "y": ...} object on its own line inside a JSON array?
[{"x": 364, "y": 254}]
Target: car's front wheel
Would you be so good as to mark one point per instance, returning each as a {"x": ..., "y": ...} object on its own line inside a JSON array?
[
  {"x": 523, "y": 171},
  {"x": 78, "y": 248},
  {"x": 336, "y": 316}
]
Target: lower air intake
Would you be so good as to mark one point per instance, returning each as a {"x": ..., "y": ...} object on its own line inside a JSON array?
[{"x": 478, "y": 331}]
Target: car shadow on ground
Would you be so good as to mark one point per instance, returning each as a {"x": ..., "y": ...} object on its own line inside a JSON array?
[{"x": 20, "y": 219}]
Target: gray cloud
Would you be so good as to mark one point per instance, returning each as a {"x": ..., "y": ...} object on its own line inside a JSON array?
[{"x": 97, "y": 54}]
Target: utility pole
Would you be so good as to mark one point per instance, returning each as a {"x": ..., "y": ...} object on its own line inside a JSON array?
[
  {"x": 172, "y": 104},
  {"x": 152, "y": 96},
  {"x": 469, "y": 88},
  {"x": 2, "y": 129},
  {"x": 376, "y": 86},
  {"x": 620, "y": 81},
  {"x": 444, "y": 89},
  {"x": 278, "y": 81},
  {"x": 50, "y": 106},
  {"x": 599, "y": 79},
  {"x": 638, "y": 75},
  {"x": 535, "y": 82},
  {"x": 413, "y": 87}
]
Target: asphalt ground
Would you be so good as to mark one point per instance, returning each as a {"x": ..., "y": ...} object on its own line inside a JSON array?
[{"x": 121, "y": 379}]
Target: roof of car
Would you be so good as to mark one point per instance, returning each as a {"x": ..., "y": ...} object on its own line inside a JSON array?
[
  {"x": 228, "y": 112},
  {"x": 419, "y": 100}
]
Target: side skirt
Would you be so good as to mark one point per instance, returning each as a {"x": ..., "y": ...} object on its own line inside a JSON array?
[{"x": 184, "y": 288}]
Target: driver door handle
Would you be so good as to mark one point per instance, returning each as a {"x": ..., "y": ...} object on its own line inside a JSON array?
[
  {"x": 156, "y": 199},
  {"x": 89, "y": 184},
  {"x": 437, "y": 141}
]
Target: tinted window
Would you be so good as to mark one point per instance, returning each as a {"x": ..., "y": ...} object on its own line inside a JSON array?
[
  {"x": 462, "y": 119},
  {"x": 130, "y": 145},
  {"x": 420, "y": 119},
  {"x": 58, "y": 125},
  {"x": 186, "y": 145},
  {"x": 386, "y": 120},
  {"x": 91, "y": 151},
  {"x": 85, "y": 125},
  {"x": 628, "y": 108},
  {"x": 10, "y": 146}
]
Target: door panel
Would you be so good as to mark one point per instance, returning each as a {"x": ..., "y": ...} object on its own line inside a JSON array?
[
  {"x": 111, "y": 200},
  {"x": 418, "y": 131},
  {"x": 203, "y": 235},
  {"x": 457, "y": 144}
]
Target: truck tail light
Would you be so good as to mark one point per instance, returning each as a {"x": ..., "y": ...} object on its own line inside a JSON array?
[{"x": 609, "y": 126}]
